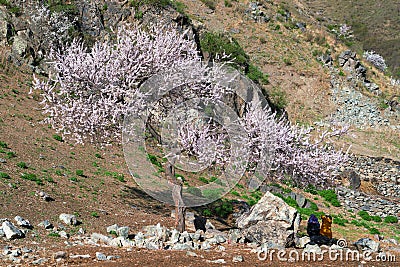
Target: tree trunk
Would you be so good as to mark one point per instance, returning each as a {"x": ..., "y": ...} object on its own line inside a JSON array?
[{"x": 180, "y": 209}]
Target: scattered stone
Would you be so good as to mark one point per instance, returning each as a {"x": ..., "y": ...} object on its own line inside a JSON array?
[
  {"x": 238, "y": 258},
  {"x": 220, "y": 248},
  {"x": 2, "y": 234},
  {"x": 270, "y": 220},
  {"x": 86, "y": 256},
  {"x": 46, "y": 224},
  {"x": 68, "y": 219},
  {"x": 112, "y": 229},
  {"x": 10, "y": 231},
  {"x": 367, "y": 244},
  {"x": 301, "y": 242},
  {"x": 315, "y": 249},
  {"x": 39, "y": 261},
  {"x": 16, "y": 252},
  {"x": 123, "y": 231},
  {"x": 191, "y": 254},
  {"x": 184, "y": 246},
  {"x": 96, "y": 237},
  {"x": 112, "y": 257},
  {"x": 63, "y": 234},
  {"x": 3, "y": 160},
  {"x": 59, "y": 255},
  {"x": 100, "y": 256},
  {"x": 123, "y": 242},
  {"x": 45, "y": 196},
  {"x": 216, "y": 261},
  {"x": 81, "y": 231}
]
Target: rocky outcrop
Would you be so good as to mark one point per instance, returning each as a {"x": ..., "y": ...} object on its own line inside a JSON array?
[
  {"x": 270, "y": 220},
  {"x": 357, "y": 201}
]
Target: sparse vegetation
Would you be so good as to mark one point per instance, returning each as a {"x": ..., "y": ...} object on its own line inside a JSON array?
[
  {"x": 4, "y": 175},
  {"x": 22, "y": 165},
  {"x": 58, "y": 137},
  {"x": 391, "y": 219},
  {"x": 32, "y": 177}
]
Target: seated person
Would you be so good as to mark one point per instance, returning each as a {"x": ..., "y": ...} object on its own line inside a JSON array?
[
  {"x": 326, "y": 228},
  {"x": 313, "y": 227}
]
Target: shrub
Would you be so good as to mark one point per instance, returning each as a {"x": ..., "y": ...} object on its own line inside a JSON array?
[
  {"x": 153, "y": 159},
  {"x": 391, "y": 219},
  {"x": 74, "y": 179},
  {"x": 10, "y": 154},
  {"x": 374, "y": 231},
  {"x": 203, "y": 179},
  {"x": 207, "y": 212},
  {"x": 58, "y": 137},
  {"x": 235, "y": 193},
  {"x": 32, "y": 177},
  {"x": 4, "y": 175},
  {"x": 79, "y": 173},
  {"x": 330, "y": 196},
  {"x": 224, "y": 208},
  {"x": 94, "y": 214},
  {"x": 376, "y": 218},
  {"x": 3, "y": 144},
  {"x": 22, "y": 165},
  {"x": 256, "y": 75},
  {"x": 364, "y": 215}
]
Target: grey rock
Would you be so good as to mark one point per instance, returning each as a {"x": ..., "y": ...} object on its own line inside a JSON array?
[
  {"x": 63, "y": 234},
  {"x": 123, "y": 242},
  {"x": 79, "y": 256},
  {"x": 112, "y": 257},
  {"x": 39, "y": 261},
  {"x": 191, "y": 254},
  {"x": 238, "y": 258},
  {"x": 123, "y": 231},
  {"x": 10, "y": 231},
  {"x": 184, "y": 246},
  {"x": 301, "y": 242},
  {"x": 2, "y": 232},
  {"x": 59, "y": 255},
  {"x": 216, "y": 261},
  {"x": 46, "y": 224},
  {"x": 315, "y": 249},
  {"x": 96, "y": 237},
  {"x": 270, "y": 220},
  {"x": 205, "y": 245},
  {"x": 20, "y": 44},
  {"x": 16, "y": 252},
  {"x": 1, "y": 159},
  {"x": 113, "y": 229},
  {"x": 139, "y": 239},
  {"x": 100, "y": 256},
  {"x": 68, "y": 219},
  {"x": 367, "y": 244},
  {"x": 234, "y": 236},
  {"x": 220, "y": 248}
]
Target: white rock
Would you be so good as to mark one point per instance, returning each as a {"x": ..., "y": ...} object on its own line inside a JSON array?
[{"x": 11, "y": 231}]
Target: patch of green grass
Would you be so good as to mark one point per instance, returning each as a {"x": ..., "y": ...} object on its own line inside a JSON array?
[
  {"x": 94, "y": 214},
  {"x": 364, "y": 215},
  {"x": 10, "y": 154},
  {"x": 256, "y": 75},
  {"x": 58, "y": 137},
  {"x": 79, "y": 173},
  {"x": 235, "y": 193},
  {"x": 22, "y": 165},
  {"x": 376, "y": 218},
  {"x": 3, "y": 144},
  {"x": 207, "y": 213},
  {"x": 203, "y": 179},
  {"x": 330, "y": 196},
  {"x": 119, "y": 177},
  {"x": 49, "y": 179},
  {"x": 32, "y": 177},
  {"x": 97, "y": 155},
  {"x": 73, "y": 179},
  {"x": 374, "y": 231},
  {"x": 153, "y": 159},
  {"x": 391, "y": 219},
  {"x": 4, "y": 175},
  {"x": 54, "y": 234}
]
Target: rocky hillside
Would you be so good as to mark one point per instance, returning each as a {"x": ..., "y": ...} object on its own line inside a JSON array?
[{"x": 74, "y": 195}]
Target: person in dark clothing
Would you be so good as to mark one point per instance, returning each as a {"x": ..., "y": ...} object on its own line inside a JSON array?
[
  {"x": 313, "y": 226},
  {"x": 313, "y": 231}
]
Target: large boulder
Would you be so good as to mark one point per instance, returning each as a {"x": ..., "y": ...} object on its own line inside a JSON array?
[{"x": 270, "y": 220}]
